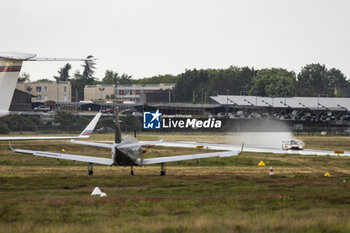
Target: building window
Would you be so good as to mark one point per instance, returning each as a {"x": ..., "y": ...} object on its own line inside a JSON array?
[
  {"x": 45, "y": 89},
  {"x": 38, "y": 97},
  {"x": 130, "y": 92},
  {"x": 65, "y": 98},
  {"x": 45, "y": 97},
  {"x": 137, "y": 92},
  {"x": 38, "y": 89},
  {"x": 65, "y": 89}
]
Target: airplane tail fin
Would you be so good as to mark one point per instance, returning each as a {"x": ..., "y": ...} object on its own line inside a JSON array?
[
  {"x": 91, "y": 126},
  {"x": 10, "y": 67},
  {"x": 9, "y": 72}
]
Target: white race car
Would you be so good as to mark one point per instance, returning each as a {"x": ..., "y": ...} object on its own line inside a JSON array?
[{"x": 292, "y": 145}]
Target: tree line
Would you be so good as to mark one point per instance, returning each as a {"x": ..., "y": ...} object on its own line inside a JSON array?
[
  {"x": 64, "y": 122},
  {"x": 198, "y": 85}
]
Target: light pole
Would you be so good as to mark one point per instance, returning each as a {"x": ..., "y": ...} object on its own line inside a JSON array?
[
  {"x": 202, "y": 96},
  {"x": 57, "y": 83},
  {"x": 29, "y": 89},
  {"x": 101, "y": 90},
  {"x": 227, "y": 91},
  {"x": 169, "y": 96},
  {"x": 116, "y": 90}
]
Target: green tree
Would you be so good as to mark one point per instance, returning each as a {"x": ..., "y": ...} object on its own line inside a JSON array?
[
  {"x": 192, "y": 80},
  {"x": 23, "y": 78},
  {"x": 273, "y": 82},
  {"x": 167, "y": 78},
  {"x": 313, "y": 80},
  {"x": 3, "y": 128},
  {"x": 78, "y": 84},
  {"x": 317, "y": 80},
  {"x": 200, "y": 84},
  {"x": 64, "y": 118},
  {"x": 13, "y": 122},
  {"x": 110, "y": 77},
  {"x": 63, "y": 73},
  {"x": 234, "y": 80},
  {"x": 114, "y": 78},
  {"x": 79, "y": 80},
  {"x": 337, "y": 79},
  {"x": 130, "y": 122},
  {"x": 43, "y": 80},
  {"x": 89, "y": 70},
  {"x": 125, "y": 79}
]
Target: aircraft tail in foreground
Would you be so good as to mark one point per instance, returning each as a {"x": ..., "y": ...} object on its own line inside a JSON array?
[
  {"x": 10, "y": 67},
  {"x": 9, "y": 72}
]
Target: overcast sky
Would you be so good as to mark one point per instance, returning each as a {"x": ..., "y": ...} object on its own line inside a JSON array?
[{"x": 146, "y": 38}]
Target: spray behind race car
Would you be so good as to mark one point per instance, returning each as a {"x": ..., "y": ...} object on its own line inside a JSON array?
[{"x": 265, "y": 133}]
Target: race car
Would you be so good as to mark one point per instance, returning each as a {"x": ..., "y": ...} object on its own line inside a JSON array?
[{"x": 292, "y": 145}]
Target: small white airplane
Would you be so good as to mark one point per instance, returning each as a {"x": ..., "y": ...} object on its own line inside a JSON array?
[
  {"x": 85, "y": 134},
  {"x": 126, "y": 151},
  {"x": 10, "y": 67}
]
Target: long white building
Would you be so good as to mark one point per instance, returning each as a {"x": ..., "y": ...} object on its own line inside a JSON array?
[{"x": 124, "y": 92}]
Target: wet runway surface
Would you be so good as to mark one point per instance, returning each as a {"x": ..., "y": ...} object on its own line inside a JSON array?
[{"x": 250, "y": 149}]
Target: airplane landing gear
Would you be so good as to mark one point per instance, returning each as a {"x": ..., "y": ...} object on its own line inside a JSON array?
[
  {"x": 131, "y": 171},
  {"x": 90, "y": 169},
  {"x": 163, "y": 169}
]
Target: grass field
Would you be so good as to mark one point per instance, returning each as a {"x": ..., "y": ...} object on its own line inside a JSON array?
[{"x": 210, "y": 195}]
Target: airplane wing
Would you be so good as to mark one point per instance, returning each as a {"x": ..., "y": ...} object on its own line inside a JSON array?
[
  {"x": 18, "y": 56},
  {"x": 118, "y": 145},
  {"x": 55, "y": 59},
  {"x": 85, "y": 134},
  {"x": 188, "y": 157},
  {"x": 80, "y": 158}
]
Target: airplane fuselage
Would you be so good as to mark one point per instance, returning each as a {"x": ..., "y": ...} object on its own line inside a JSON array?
[{"x": 128, "y": 156}]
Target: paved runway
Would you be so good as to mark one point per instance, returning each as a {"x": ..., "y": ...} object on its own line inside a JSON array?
[
  {"x": 251, "y": 149},
  {"x": 190, "y": 144}
]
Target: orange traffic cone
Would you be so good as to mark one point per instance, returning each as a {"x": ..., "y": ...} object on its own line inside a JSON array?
[{"x": 271, "y": 170}]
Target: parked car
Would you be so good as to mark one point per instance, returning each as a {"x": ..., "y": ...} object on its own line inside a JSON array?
[
  {"x": 109, "y": 110},
  {"x": 42, "y": 108},
  {"x": 137, "y": 114}
]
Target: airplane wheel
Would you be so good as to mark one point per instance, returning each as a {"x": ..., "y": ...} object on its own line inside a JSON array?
[
  {"x": 90, "y": 169},
  {"x": 163, "y": 169}
]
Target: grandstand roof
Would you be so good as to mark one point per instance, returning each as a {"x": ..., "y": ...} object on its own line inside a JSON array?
[{"x": 321, "y": 103}]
